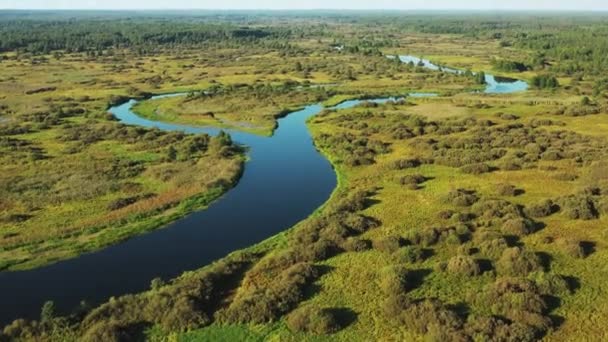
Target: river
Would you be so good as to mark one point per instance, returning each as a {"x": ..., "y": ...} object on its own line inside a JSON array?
[{"x": 284, "y": 181}]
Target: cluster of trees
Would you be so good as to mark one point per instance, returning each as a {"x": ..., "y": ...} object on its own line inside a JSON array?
[
  {"x": 545, "y": 82},
  {"x": 101, "y": 34},
  {"x": 509, "y": 66}
]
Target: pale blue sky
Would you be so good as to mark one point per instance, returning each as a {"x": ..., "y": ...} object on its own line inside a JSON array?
[{"x": 309, "y": 4}]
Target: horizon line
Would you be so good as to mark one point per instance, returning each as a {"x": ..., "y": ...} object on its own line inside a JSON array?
[{"x": 314, "y": 9}]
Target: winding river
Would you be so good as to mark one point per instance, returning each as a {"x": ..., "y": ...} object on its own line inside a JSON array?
[{"x": 284, "y": 181}]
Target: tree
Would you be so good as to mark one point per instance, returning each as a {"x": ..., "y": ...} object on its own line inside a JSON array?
[
  {"x": 545, "y": 81},
  {"x": 172, "y": 153},
  {"x": 585, "y": 101},
  {"x": 480, "y": 77},
  {"x": 47, "y": 313}
]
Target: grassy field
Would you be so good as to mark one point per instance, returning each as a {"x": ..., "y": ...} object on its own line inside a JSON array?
[
  {"x": 73, "y": 180},
  {"x": 569, "y": 246}
]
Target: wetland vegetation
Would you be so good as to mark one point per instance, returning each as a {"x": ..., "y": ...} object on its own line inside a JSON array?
[{"x": 466, "y": 216}]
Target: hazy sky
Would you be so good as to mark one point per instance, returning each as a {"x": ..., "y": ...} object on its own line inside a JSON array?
[{"x": 309, "y": 4}]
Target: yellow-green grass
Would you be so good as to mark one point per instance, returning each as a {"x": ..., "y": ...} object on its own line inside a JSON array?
[{"x": 353, "y": 279}]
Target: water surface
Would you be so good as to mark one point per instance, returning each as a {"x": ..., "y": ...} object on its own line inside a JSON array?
[{"x": 494, "y": 84}]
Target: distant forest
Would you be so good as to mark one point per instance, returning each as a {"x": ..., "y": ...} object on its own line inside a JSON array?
[{"x": 578, "y": 42}]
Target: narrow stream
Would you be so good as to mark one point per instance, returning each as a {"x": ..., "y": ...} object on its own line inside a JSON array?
[{"x": 284, "y": 181}]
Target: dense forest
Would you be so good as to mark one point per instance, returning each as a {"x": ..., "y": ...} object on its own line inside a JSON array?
[{"x": 579, "y": 43}]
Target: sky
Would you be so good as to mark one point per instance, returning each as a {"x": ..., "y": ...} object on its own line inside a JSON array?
[{"x": 581, "y": 5}]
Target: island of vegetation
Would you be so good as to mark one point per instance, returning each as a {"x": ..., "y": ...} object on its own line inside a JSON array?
[{"x": 466, "y": 216}]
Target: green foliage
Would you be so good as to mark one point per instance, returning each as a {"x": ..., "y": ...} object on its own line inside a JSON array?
[
  {"x": 462, "y": 197},
  {"x": 312, "y": 319},
  {"x": 394, "y": 280},
  {"x": 516, "y": 261},
  {"x": 409, "y": 254},
  {"x": 431, "y": 317},
  {"x": 545, "y": 82},
  {"x": 387, "y": 244},
  {"x": 47, "y": 313},
  {"x": 480, "y": 78},
  {"x": 463, "y": 265},
  {"x": 508, "y": 66}
]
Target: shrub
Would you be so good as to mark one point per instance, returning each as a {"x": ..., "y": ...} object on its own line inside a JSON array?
[
  {"x": 520, "y": 301},
  {"x": 358, "y": 223},
  {"x": 394, "y": 280},
  {"x": 518, "y": 227},
  {"x": 430, "y": 315},
  {"x": 476, "y": 169},
  {"x": 462, "y": 197},
  {"x": 549, "y": 283},
  {"x": 463, "y": 217},
  {"x": 545, "y": 81},
  {"x": 511, "y": 164},
  {"x": 494, "y": 247},
  {"x": 513, "y": 298},
  {"x": 498, "y": 329},
  {"x": 507, "y": 116},
  {"x": 507, "y": 190},
  {"x": 354, "y": 244},
  {"x": 412, "y": 181},
  {"x": 314, "y": 320},
  {"x": 424, "y": 237},
  {"x": 494, "y": 209},
  {"x": 388, "y": 244},
  {"x": 394, "y": 305},
  {"x": 446, "y": 214},
  {"x": 516, "y": 261},
  {"x": 579, "y": 207},
  {"x": 541, "y": 209},
  {"x": 19, "y": 329},
  {"x": 406, "y": 164},
  {"x": 409, "y": 254},
  {"x": 110, "y": 331},
  {"x": 318, "y": 251},
  {"x": 463, "y": 265},
  {"x": 552, "y": 155},
  {"x": 268, "y": 303}
]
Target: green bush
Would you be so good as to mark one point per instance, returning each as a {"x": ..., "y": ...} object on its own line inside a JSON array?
[
  {"x": 493, "y": 247},
  {"x": 498, "y": 329},
  {"x": 109, "y": 331},
  {"x": 463, "y": 265},
  {"x": 579, "y": 207},
  {"x": 518, "y": 300},
  {"x": 314, "y": 320},
  {"x": 406, "y": 164},
  {"x": 476, "y": 169},
  {"x": 409, "y": 254},
  {"x": 518, "y": 227},
  {"x": 516, "y": 261},
  {"x": 542, "y": 209},
  {"x": 355, "y": 244},
  {"x": 269, "y": 303},
  {"x": 507, "y": 190},
  {"x": 388, "y": 244},
  {"x": 550, "y": 284},
  {"x": 412, "y": 181},
  {"x": 462, "y": 197},
  {"x": 394, "y": 280},
  {"x": 430, "y": 315},
  {"x": 424, "y": 237}
]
